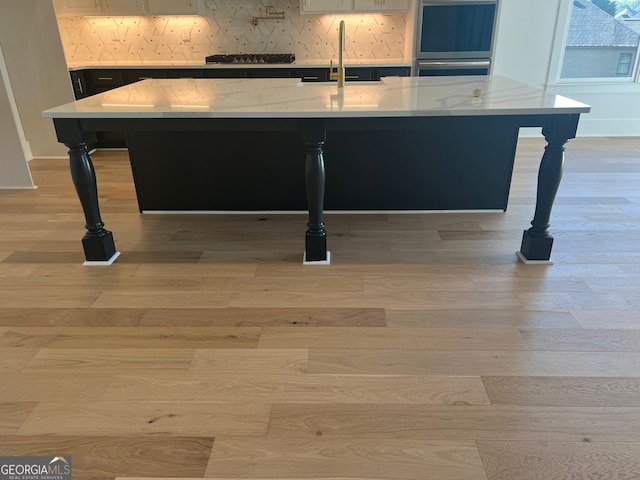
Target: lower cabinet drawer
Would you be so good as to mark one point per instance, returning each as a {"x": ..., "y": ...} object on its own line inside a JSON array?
[
  {"x": 132, "y": 76},
  {"x": 358, "y": 74},
  {"x": 311, "y": 74},
  {"x": 106, "y": 78}
]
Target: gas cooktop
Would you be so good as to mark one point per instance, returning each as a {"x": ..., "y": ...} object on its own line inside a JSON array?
[{"x": 252, "y": 58}]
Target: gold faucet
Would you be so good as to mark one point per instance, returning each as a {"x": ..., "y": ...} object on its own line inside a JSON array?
[
  {"x": 269, "y": 15},
  {"x": 339, "y": 74}
]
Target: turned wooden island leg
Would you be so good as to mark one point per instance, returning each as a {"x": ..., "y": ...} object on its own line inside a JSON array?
[
  {"x": 98, "y": 243},
  {"x": 537, "y": 241},
  {"x": 313, "y": 137}
]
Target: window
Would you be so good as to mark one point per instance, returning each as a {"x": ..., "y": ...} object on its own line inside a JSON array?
[
  {"x": 624, "y": 64},
  {"x": 602, "y": 39}
]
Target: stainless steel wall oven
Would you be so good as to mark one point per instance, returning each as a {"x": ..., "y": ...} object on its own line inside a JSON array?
[{"x": 455, "y": 37}]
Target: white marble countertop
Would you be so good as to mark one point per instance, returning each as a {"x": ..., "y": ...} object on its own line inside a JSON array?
[
  {"x": 290, "y": 98},
  {"x": 301, "y": 63}
]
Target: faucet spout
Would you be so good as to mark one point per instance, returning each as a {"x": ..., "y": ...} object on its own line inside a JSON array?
[{"x": 340, "y": 74}]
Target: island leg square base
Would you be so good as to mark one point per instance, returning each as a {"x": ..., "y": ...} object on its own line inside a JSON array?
[
  {"x": 317, "y": 262},
  {"x": 315, "y": 250},
  {"x": 99, "y": 249},
  {"x": 535, "y": 249}
]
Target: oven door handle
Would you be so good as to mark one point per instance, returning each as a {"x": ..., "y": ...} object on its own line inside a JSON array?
[{"x": 442, "y": 64}]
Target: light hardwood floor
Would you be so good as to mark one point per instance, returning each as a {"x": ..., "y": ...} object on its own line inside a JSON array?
[{"x": 425, "y": 351}]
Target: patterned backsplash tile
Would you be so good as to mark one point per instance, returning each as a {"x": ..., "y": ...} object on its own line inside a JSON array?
[{"x": 227, "y": 28}]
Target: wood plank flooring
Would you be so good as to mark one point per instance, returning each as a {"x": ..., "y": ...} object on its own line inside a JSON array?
[{"x": 424, "y": 351}]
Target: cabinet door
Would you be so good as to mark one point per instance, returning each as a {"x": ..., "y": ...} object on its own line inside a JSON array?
[
  {"x": 367, "y": 5},
  {"x": 311, "y": 74},
  {"x": 225, "y": 73},
  {"x": 269, "y": 73},
  {"x": 391, "y": 72},
  {"x": 358, "y": 74},
  {"x": 395, "y": 5},
  {"x": 134, "y": 75},
  {"x": 380, "y": 5},
  {"x": 77, "y": 7},
  {"x": 79, "y": 84},
  {"x": 105, "y": 79},
  {"x": 122, "y": 7},
  {"x": 172, "y": 7},
  {"x": 326, "y": 6},
  {"x": 184, "y": 73}
]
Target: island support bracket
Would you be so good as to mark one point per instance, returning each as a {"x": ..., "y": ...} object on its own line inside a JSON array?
[
  {"x": 313, "y": 137},
  {"x": 537, "y": 241}
]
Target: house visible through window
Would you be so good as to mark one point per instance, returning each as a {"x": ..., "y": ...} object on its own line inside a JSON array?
[{"x": 602, "y": 40}]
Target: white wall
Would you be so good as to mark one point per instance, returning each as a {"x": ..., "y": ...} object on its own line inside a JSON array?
[
  {"x": 37, "y": 69},
  {"x": 524, "y": 40},
  {"x": 529, "y": 49},
  {"x": 14, "y": 171},
  {"x": 615, "y": 109}
]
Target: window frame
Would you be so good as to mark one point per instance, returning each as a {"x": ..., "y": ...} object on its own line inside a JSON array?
[
  {"x": 563, "y": 20},
  {"x": 628, "y": 64}
]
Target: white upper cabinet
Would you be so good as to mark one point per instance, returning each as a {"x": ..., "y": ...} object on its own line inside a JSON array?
[
  {"x": 77, "y": 7},
  {"x": 380, "y": 5},
  {"x": 126, "y": 7},
  {"x": 122, "y": 7},
  {"x": 172, "y": 7},
  {"x": 342, "y": 6},
  {"x": 326, "y": 6}
]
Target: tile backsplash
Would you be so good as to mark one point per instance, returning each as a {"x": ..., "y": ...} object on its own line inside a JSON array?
[{"x": 226, "y": 28}]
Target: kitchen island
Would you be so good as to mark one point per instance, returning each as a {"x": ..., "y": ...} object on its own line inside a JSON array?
[{"x": 456, "y": 135}]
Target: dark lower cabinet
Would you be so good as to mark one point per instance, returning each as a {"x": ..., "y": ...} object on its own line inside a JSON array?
[
  {"x": 355, "y": 74},
  {"x": 93, "y": 81},
  {"x": 79, "y": 84},
  {"x": 224, "y": 73},
  {"x": 391, "y": 72},
  {"x": 364, "y": 74},
  {"x": 132, "y": 76},
  {"x": 311, "y": 74},
  {"x": 105, "y": 79},
  {"x": 269, "y": 73}
]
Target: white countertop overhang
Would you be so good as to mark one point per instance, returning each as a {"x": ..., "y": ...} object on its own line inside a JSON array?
[{"x": 290, "y": 98}]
